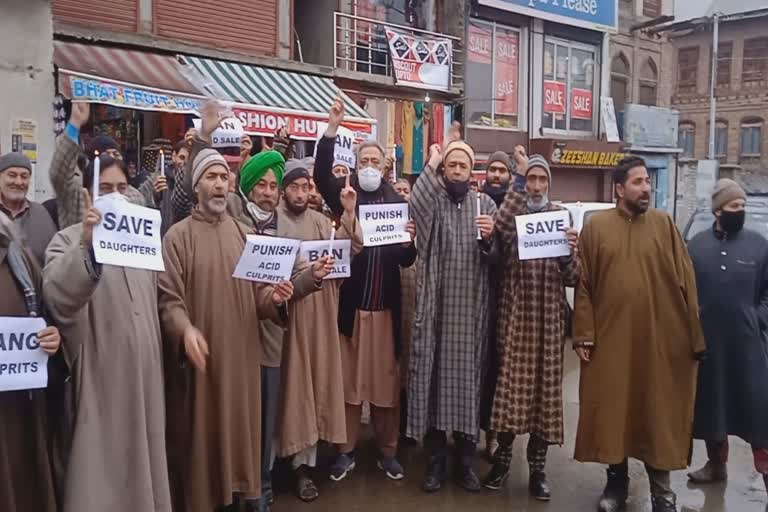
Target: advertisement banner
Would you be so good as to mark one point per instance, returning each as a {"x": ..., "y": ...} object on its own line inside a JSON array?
[
  {"x": 581, "y": 104},
  {"x": 420, "y": 61},
  {"x": 554, "y": 97},
  {"x": 592, "y": 14},
  {"x": 130, "y": 96},
  {"x": 507, "y": 64},
  {"x": 261, "y": 121}
]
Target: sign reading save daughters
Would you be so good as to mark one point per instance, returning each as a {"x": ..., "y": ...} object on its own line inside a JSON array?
[
  {"x": 384, "y": 224},
  {"x": 542, "y": 235},
  {"x": 128, "y": 235}
]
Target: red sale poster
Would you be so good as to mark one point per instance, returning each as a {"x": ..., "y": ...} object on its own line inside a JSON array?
[
  {"x": 479, "y": 44},
  {"x": 507, "y": 65},
  {"x": 581, "y": 104},
  {"x": 554, "y": 97}
]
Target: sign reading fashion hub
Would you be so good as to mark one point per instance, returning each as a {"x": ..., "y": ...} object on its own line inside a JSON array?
[{"x": 593, "y": 14}]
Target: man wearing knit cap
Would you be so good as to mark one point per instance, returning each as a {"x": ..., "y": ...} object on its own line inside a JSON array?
[
  {"x": 498, "y": 177},
  {"x": 67, "y": 173},
  {"x": 531, "y": 333},
  {"x": 312, "y": 402},
  {"x": 369, "y": 307},
  {"x": 35, "y": 226},
  {"x": 211, "y": 326},
  {"x": 636, "y": 330},
  {"x": 448, "y": 355},
  {"x": 731, "y": 265}
]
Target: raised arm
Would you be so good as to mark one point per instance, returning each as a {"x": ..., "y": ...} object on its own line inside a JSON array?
[
  {"x": 505, "y": 219},
  {"x": 327, "y": 184},
  {"x": 66, "y": 177}
]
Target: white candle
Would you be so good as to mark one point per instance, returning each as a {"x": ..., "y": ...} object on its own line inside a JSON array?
[
  {"x": 162, "y": 163},
  {"x": 96, "y": 172},
  {"x": 333, "y": 236},
  {"x": 477, "y": 195}
]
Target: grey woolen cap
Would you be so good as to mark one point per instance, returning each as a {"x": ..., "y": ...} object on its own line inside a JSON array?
[
  {"x": 9, "y": 160},
  {"x": 541, "y": 162}
]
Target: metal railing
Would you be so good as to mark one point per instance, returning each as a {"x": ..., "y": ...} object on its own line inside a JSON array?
[{"x": 360, "y": 44}]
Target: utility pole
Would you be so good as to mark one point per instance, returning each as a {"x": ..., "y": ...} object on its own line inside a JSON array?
[{"x": 713, "y": 82}]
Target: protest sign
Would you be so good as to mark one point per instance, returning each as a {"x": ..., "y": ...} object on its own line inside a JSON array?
[
  {"x": 384, "y": 224},
  {"x": 23, "y": 364},
  {"x": 227, "y": 135},
  {"x": 344, "y": 150},
  {"x": 342, "y": 249},
  {"x": 267, "y": 259},
  {"x": 128, "y": 236},
  {"x": 542, "y": 235}
]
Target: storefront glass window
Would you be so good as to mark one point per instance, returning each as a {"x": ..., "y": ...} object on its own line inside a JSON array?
[
  {"x": 493, "y": 75},
  {"x": 569, "y": 86}
]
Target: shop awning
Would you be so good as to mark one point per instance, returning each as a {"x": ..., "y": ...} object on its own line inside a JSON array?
[
  {"x": 266, "y": 99},
  {"x": 124, "y": 78}
]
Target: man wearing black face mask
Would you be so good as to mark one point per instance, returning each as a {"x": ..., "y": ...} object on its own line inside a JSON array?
[
  {"x": 456, "y": 248},
  {"x": 731, "y": 266}
]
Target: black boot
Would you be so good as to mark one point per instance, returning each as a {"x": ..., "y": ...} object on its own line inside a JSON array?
[
  {"x": 465, "y": 455},
  {"x": 437, "y": 473},
  {"x": 538, "y": 486},
  {"x": 496, "y": 477},
  {"x": 663, "y": 504},
  {"x": 614, "y": 496}
]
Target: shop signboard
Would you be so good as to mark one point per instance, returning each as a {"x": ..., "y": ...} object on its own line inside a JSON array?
[
  {"x": 554, "y": 97},
  {"x": 302, "y": 126},
  {"x": 507, "y": 62},
  {"x": 130, "y": 96},
  {"x": 599, "y": 15},
  {"x": 581, "y": 103},
  {"x": 423, "y": 62}
]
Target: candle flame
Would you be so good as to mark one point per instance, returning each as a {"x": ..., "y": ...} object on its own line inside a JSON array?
[{"x": 333, "y": 223}]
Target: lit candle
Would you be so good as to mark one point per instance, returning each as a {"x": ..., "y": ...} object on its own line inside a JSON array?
[
  {"x": 333, "y": 236},
  {"x": 477, "y": 195},
  {"x": 162, "y": 163},
  {"x": 96, "y": 171}
]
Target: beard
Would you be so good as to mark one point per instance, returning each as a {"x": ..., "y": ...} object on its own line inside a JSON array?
[
  {"x": 637, "y": 207},
  {"x": 14, "y": 195},
  {"x": 537, "y": 203},
  {"x": 296, "y": 208},
  {"x": 216, "y": 205}
]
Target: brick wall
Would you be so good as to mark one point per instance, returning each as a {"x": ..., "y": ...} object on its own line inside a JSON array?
[{"x": 735, "y": 102}]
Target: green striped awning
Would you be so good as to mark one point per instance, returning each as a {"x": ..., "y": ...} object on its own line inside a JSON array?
[{"x": 243, "y": 83}]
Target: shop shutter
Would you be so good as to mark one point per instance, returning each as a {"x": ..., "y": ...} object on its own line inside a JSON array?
[
  {"x": 244, "y": 25},
  {"x": 114, "y": 15}
]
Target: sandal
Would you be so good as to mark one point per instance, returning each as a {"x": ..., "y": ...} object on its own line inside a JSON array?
[{"x": 306, "y": 489}]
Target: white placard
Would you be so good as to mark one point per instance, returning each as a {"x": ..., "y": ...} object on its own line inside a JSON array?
[
  {"x": 227, "y": 135},
  {"x": 608, "y": 113},
  {"x": 23, "y": 364},
  {"x": 542, "y": 235},
  {"x": 267, "y": 259},
  {"x": 128, "y": 236},
  {"x": 384, "y": 224},
  {"x": 342, "y": 251},
  {"x": 344, "y": 149}
]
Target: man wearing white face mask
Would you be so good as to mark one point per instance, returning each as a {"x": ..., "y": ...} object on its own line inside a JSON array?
[{"x": 370, "y": 307}]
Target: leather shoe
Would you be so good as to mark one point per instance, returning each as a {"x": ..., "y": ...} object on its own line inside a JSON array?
[
  {"x": 538, "y": 486},
  {"x": 436, "y": 473},
  {"x": 710, "y": 473},
  {"x": 616, "y": 491},
  {"x": 467, "y": 478},
  {"x": 496, "y": 477}
]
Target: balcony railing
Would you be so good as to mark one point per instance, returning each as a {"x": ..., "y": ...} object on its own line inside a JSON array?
[{"x": 360, "y": 44}]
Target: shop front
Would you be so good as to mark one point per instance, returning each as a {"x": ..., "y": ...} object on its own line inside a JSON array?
[{"x": 581, "y": 169}]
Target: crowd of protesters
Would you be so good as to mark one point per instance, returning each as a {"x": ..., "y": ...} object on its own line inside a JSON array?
[{"x": 178, "y": 390}]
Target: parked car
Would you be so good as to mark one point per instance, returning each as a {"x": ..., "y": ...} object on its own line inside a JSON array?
[
  {"x": 581, "y": 212},
  {"x": 703, "y": 218}
]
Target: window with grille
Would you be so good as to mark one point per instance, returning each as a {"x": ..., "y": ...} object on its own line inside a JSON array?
[
  {"x": 570, "y": 85},
  {"x": 755, "y": 67},
  {"x": 721, "y": 141},
  {"x": 649, "y": 78},
  {"x": 686, "y": 139},
  {"x": 687, "y": 63},
  {"x": 724, "y": 58},
  {"x": 652, "y": 8},
  {"x": 751, "y": 141}
]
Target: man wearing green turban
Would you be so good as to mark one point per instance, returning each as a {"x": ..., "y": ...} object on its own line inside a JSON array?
[{"x": 260, "y": 180}]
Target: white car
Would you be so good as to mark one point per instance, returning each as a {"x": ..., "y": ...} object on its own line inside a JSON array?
[{"x": 581, "y": 213}]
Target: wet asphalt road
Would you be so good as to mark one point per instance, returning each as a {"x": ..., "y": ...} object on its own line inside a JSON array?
[{"x": 575, "y": 486}]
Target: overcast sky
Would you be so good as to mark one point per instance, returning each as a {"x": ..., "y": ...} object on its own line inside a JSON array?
[{"x": 687, "y": 9}]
